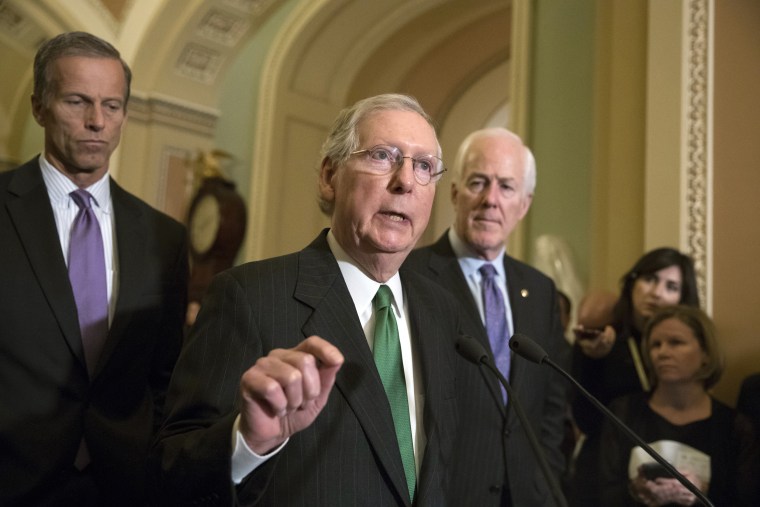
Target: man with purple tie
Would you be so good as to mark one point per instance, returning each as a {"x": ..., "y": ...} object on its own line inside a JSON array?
[
  {"x": 93, "y": 287},
  {"x": 494, "y": 177}
]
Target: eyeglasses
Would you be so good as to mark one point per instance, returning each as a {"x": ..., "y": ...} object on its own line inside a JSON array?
[{"x": 384, "y": 159}]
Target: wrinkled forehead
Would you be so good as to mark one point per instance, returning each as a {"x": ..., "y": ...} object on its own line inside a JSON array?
[
  {"x": 406, "y": 130},
  {"x": 496, "y": 158},
  {"x": 73, "y": 72}
]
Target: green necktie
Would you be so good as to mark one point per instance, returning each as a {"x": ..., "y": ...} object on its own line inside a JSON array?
[{"x": 387, "y": 352}]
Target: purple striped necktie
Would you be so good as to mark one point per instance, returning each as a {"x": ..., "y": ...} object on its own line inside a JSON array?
[
  {"x": 87, "y": 273},
  {"x": 496, "y": 321}
]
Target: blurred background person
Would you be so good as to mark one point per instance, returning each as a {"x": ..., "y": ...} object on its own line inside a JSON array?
[
  {"x": 607, "y": 361},
  {"x": 711, "y": 444}
]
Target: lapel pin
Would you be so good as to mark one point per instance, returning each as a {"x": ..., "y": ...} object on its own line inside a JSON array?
[{"x": 524, "y": 293}]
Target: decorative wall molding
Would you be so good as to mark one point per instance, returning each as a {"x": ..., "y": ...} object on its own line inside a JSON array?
[
  {"x": 172, "y": 112},
  {"x": 698, "y": 153}
]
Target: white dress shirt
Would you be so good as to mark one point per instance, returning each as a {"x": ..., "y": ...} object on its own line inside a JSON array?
[
  {"x": 471, "y": 264},
  {"x": 362, "y": 290},
  {"x": 65, "y": 210}
]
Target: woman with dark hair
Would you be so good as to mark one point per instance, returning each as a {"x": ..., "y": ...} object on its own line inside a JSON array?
[
  {"x": 607, "y": 361},
  {"x": 709, "y": 443}
]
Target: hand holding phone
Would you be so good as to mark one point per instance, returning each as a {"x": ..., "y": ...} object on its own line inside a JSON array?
[
  {"x": 654, "y": 470},
  {"x": 587, "y": 333}
]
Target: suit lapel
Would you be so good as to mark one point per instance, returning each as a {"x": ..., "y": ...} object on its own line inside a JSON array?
[
  {"x": 129, "y": 243},
  {"x": 443, "y": 262},
  {"x": 32, "y": 216},
  {"x": 321, "y": 286},
  {"x": 519, "y": 298},
  {"x": 427, "y": 334}
]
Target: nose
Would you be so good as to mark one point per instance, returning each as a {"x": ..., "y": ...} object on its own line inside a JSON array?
[
  {"x": 95, "y": 117},
  {"x": 403, "y": 180},
  {"x": 663, "y": 351},
  {"x": 491, "y": 193},
  {"x": 658, "y": 289}
]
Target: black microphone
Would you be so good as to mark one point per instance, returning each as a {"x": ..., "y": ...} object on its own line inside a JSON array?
[
  {"x": 471, "y": 349},
  {"x": 532, "y": 351}
]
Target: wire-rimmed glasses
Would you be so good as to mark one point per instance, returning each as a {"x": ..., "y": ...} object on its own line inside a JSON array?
[{"x": 383, "y": 159}]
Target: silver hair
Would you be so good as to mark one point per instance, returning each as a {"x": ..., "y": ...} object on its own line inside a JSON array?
[
  {"x": 343, "y": 138},
  {"x": 529, "y": 174}
]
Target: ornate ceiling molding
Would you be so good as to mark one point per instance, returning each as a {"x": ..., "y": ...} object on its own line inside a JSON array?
[
  {"x": 171, "y": 112},
  {"x": 219, "y": 31}
]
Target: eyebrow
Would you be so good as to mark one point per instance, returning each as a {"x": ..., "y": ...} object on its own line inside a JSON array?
[{"x": 489, "y": 178}]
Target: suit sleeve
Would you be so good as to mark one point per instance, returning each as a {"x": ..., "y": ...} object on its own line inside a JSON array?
[
  {"x": 555, "y": 405},
  {"x": 191, "y": 460},
  {"x": 170, "y": 332}
]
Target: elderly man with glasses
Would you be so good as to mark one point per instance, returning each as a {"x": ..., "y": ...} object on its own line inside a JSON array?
[{"x": 327, "y": 376}]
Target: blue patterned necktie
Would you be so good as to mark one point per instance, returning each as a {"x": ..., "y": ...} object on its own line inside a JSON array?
[
  {"x": 387, "y": 353},
  {"x": 496, "y": 321}
]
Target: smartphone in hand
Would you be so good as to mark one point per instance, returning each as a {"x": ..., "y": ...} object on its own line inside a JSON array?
[
  {"x": 587, "y": 333},
  {"x": 654, "y": 470}
]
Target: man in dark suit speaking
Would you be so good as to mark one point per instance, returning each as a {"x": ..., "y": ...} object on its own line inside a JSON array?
[
  {"x": 93, "y": 286},
  {"x": 327, "y": 376},
  {"x": 492, "y": 189}
]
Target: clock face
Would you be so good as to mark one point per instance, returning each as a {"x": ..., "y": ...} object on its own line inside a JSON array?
[{"x": 204, "y": 224}]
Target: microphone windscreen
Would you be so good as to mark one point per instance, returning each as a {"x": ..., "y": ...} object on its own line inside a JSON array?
[
  {"x": 469, "y": 348},
  {"x": 527, "y": 348}
]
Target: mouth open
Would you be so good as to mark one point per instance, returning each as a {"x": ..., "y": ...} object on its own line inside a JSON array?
[{"x": 394, "y": 216}]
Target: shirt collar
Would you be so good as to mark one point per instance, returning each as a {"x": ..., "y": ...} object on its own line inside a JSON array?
[
  {"x": 361, "y": 287},
  {"x": 468, "y": 259},
  {"x": 59, "y": 187}
]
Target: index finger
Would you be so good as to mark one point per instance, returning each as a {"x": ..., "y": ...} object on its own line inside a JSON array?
[{"x": 325, "y": 352}]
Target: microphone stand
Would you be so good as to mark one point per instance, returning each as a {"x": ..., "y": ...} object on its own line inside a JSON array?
[
  {"x": 474, "y": 352},
  {"x": 542, "y": 357}
]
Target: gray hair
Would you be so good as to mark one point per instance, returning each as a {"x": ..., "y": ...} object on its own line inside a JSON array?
[
  {"x": 72, "y": 44},
  {"x": 529, "y": 171},
  {"x": 343, "y": 138}
]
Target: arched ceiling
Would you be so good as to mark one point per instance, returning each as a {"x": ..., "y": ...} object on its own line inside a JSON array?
[
  {"x": 183, "y": 50},
  {"x": 454, "y": 45}
]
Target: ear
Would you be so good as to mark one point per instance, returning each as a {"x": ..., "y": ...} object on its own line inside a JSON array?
[
  {"x": 454, "y": 193},
  {"x": 525, "y": 206},
  {"x": 38, "y": 111},
  {"x": 327, "y": 174}
]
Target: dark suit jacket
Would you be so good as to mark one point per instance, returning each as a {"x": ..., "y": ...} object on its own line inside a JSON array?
[
  {"x": 348, "y": 456},
  {"x": 749, "y": 399},
  {"x": 48, "y": 402},
  {"x": 478, "y": 474}
]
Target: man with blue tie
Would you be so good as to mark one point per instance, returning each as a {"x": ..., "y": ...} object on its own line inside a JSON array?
[{"x": 493, "y": 183}]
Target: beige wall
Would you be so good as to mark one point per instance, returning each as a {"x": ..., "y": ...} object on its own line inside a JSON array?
[
  {"x": 616, "y": 185},
  {"x": 736, "y": 221}
]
